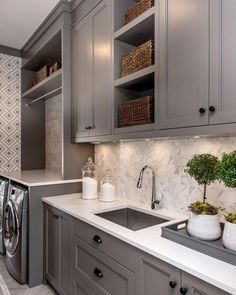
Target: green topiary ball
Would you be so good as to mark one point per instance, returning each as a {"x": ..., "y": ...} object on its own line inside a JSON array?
[{"x": 227, "y": 169}]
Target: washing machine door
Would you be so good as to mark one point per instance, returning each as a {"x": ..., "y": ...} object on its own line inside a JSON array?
[{"x": 11, "y": 228}]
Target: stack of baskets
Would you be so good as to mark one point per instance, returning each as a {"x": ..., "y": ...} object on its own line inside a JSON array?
[{"x": 136, "y": 112}]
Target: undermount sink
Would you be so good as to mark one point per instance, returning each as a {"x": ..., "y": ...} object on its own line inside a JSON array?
[{"x": 132, "y": 219}]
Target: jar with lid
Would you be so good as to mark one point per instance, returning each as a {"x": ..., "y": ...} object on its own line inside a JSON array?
[
  {"x": 108, "y": 187},
  {"x": 89, "y": 181}
]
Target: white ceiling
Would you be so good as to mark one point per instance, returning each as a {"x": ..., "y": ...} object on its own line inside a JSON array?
[{"x": 20, "y": 18}]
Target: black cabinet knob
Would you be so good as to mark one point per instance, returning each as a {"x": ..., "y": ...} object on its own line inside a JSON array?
[
  {"x": 183, "y": 291},
  {"x": 202, "y": 111},
  {"x": 172, "y": 284},
  {"x": 55, "y": 216},
  {"x": 97, "y": 239},
  {"x": 212, "y": 109},
  {"x": 98, "y": 273}
]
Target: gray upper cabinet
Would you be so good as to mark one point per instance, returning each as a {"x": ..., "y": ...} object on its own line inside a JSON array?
[
  {"x": 92, "y": 73},
  {"x": 155, "y": 277},
  {"x": 58, "y": 249},
  {"x": 194, "y": 286},
  {"x": 223, "y": 63},
  {"x": 183, "y": 63}
]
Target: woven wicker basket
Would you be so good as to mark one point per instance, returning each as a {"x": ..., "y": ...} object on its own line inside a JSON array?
[
  {"x": 136, "y": 112},
  {"x": 137, "y": 9},
  {"x": 137, "y": 59}
]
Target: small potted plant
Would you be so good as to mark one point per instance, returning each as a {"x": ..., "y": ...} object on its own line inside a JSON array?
[
  {"x": 204, "y": 221},
  {"x": 227, "y": 174}
]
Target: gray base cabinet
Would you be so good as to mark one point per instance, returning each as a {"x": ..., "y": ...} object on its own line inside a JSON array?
[
  {"x": 195, "y": 286},
  {"x": 155, "y": 277},
  {"x": 79, "y": 261},
  {"x": 57, "y": 250}
]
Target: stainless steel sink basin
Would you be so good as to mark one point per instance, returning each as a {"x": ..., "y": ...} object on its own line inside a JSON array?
[{"x": 132, "y": 219}]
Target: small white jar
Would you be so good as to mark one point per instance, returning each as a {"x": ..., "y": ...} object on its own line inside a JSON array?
[
  {"x": 204, "y": 227},
  {"x": 89, "y": 182},
  {"x": 229, "y": 236}
]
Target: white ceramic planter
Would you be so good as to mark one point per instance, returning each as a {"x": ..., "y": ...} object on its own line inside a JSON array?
[
  {"x": 204, "y": 227},
  {"x": 229, "y": 236}
]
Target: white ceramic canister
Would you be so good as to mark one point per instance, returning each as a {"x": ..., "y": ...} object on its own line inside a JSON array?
[
  {"x": 229, "y": 236},
  {"x": 204, "y": 227}
]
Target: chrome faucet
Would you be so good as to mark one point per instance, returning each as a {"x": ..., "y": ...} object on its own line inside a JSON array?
[{"x": 140, "y": 181}]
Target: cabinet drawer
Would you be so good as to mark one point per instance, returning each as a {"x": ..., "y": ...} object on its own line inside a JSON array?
[
  {"x": 115, "y": 248},
  {"x": 110, "y": 275},
  {"x": 83, "y": 285}
]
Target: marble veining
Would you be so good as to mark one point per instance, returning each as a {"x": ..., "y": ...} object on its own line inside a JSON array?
[
  {"x": 53, "y": 133},
  {"x": 168, "y": 157}
]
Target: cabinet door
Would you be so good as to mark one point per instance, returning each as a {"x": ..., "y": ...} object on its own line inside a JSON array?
[
  {"x": 197, "y": 287},
  {"x": 64, "y": 254},
  {"x": 223, "y": 63},
  {"x": 82, "y": 78},
  {"x": 102, "y": 69},
  {"x": 155, "y": 277},
  {"x": 51, "y": 246},
  {"x": 183, "y": 63}
]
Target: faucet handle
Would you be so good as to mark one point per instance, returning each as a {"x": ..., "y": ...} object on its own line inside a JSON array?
[{"x": 154, "y": 203}]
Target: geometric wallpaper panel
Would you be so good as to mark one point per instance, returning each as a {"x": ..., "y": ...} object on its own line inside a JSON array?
[{"x": 10, "y": 113}]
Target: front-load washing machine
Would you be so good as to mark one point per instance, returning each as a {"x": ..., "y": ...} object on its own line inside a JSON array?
[
  {"x": 16, "y": 232},
  {"x": 4, "y": 182}
]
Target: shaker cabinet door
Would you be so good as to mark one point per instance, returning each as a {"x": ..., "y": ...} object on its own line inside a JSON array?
[
  {"x": 155, "y": 277},
  {"x": 223, "y": 62},
  {"x": 183, "y": 63},
  {"x": 51, "y": 246},
  {"x": 102, "y": 69},
  {"x": 82, "y": 90},
  {"x": 194, "y": 286},
  {"x": 92, "y": 81}
]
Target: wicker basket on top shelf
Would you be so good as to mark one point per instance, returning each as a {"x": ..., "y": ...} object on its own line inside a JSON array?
[
  {"x": 137, "y": 59},
  {"x": 138, "y": 9},
  {"x": 136, "y": 112}
]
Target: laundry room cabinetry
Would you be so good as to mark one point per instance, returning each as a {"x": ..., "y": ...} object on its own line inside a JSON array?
[
  {"x": 57, "y": 249},
  {"x": 197, "y": 65},
  {"x": 92, "y": 73},
  {"x": 155, "y": 277}
]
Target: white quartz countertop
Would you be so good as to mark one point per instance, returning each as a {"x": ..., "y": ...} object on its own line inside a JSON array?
[
  {"x": 37, "y": 177},
  {"x": 211, "y": 270}
]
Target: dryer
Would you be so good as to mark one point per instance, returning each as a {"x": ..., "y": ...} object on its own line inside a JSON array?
[
  {"x": 16, "y": 232},
  {"x": 4, "y": 182}
]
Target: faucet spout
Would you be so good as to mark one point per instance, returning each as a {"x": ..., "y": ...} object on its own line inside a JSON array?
[{"x": 154, "y": 202}]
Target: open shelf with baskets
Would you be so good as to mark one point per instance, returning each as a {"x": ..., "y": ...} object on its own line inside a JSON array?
[{"x": 134, "y": 66}]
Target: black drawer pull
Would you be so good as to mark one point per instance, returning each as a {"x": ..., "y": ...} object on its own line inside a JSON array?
[
  {"x": 212, "y": 109},
  {"x": 202, "y": 111},
  {"x": 172, "y": 284},
  {"x": 98, "y": 273},
  {"x": 183, "y": 291},
  {"x": 55, "y": 216},
  {"x": 97, "y": 239}
]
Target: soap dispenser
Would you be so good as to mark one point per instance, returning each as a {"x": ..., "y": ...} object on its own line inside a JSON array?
[{"x": 89, "y": 181}]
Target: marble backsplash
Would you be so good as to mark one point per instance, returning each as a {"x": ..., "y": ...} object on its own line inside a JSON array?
[{"x": 168, "y": 157}]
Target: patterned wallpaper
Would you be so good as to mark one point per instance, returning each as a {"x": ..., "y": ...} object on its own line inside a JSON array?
[
  {"x": 168, "y": 157},
  {"x": 10, "y": 113}
]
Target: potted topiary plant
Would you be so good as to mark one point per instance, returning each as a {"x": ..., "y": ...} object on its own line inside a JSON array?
[
  {"x": 227, "y": 174},
  {"x": 204, "y": 221}
]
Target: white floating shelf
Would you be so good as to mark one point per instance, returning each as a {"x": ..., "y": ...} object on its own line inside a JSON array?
[
  {"x": 139, "y": 80},
  {"x": 139, "y": 30},
  {"x": 46, "y": 87}
]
